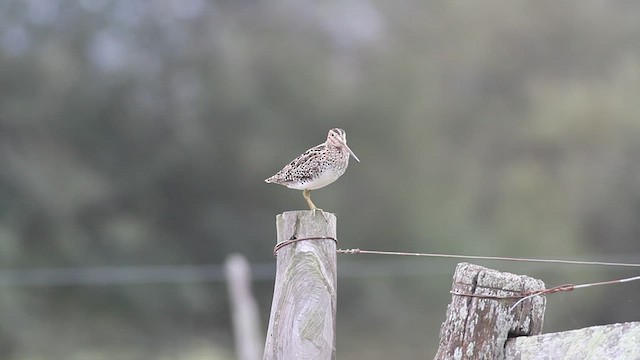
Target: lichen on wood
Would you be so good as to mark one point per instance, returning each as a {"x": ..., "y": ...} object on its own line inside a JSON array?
[{"x": 614, "y": 341}]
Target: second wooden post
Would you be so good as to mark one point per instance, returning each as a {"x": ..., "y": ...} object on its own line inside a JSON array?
[
  {"x": 478, "y": 324},
  {"x": 303, "y": 310}
]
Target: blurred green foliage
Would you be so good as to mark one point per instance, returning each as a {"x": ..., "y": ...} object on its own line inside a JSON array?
[{"x": 140, "y": 132}]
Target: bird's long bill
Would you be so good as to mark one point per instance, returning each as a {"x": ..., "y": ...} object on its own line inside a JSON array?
[{"x": 351, "y": 152}]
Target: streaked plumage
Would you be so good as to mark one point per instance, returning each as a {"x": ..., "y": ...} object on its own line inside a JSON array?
[{"x": 317, "y": 167}]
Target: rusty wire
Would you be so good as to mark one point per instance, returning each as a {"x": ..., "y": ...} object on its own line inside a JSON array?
[{"x": 293, "y": 240}]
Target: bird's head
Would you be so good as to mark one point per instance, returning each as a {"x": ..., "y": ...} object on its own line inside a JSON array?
[{"x": 338, "y": 138}]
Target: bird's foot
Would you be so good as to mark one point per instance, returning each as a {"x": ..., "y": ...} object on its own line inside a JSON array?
[
  {"x": 312, "y": 206},
  {"x": 324, "y": 215}
]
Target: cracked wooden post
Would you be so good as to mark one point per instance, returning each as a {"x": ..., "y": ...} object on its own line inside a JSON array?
[
  {"x": 478, "y": 328},
  {"x": 303, "y": 310}
]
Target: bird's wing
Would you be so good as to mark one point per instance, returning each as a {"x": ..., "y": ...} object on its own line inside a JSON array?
[{"x": 292, "y": 171}]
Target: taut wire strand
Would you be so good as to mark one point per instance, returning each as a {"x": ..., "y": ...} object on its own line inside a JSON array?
[
  {"x": 477, "y": 257},
  {"x": 524, "y": 296}
]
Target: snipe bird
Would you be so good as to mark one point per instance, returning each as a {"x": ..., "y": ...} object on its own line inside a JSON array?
[{"x": 317, "y": 167}]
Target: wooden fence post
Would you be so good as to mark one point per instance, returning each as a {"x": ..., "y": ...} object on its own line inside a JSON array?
[
  {"x": 477, "y": 327},
  {"x": 244, "y": 309},
  {"x": 303, "y": 310}
]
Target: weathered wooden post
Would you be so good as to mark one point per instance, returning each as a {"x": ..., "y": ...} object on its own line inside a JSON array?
[
  {"x": 303, "y": 310},
  {"x": 477, "y": 327}
]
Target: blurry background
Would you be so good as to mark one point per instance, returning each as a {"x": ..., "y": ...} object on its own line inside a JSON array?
[{"x": 135, "y": 137}]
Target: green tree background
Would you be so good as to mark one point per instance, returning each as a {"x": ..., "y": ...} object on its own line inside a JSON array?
[{"x": 138, "y": 133}]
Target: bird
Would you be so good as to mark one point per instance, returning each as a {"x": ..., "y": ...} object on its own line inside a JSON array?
[{"x": 317, "y": 167}]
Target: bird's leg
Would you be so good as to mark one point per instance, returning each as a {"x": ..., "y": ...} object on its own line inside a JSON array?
[{"x": 307, "y": 196}]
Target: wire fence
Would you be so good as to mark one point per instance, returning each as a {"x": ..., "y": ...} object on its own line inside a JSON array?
[{"x": 348, "y": 269}]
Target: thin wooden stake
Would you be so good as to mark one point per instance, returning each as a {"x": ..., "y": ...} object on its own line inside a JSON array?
[
  {"x": 303, "y": 311},
  {"x": 244, "y": 309}
]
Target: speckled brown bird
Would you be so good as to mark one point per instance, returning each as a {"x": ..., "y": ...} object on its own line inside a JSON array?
[{"x": 317, "y": 167}]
